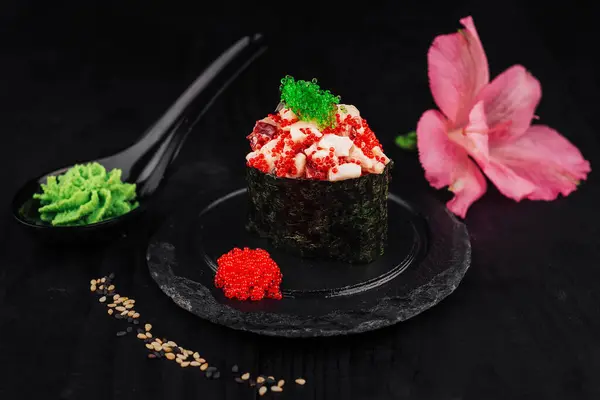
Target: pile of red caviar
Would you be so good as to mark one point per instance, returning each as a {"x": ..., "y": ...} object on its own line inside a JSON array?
[{"x": 248, "y": 274}]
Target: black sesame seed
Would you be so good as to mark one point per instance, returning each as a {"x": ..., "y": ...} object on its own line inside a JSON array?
[
  {"x": 136, "y": 322},
  {"x": 211, "y": 369},
  {"x": 235, "y": 368},
  {"x": 208, "y": 374},
  {"x": 118, "y": 316},
  {"x": 111, "y": 276},
  {"x": 217, "y": 375},
  {"x": 239, "y": 380},
  {"x": 252, "y": 382},
  {"x": 151, "y": 355},
  {"x": 121, "y": 333},
  {"x": 270, "y": 381},
  {"x": 140, "y": 330},
  {"x": 157, "y": 354},
  {"x": 129, "y": 329},
  {"x": 129, "y": 319}
]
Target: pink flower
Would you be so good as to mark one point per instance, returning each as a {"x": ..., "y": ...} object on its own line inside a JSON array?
[{"x": 486, "y": 127}]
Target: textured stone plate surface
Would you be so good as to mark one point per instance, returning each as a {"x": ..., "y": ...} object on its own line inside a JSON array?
[{"x": 427, "y": 255}]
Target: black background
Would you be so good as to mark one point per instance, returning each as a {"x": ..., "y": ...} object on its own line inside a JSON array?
[{"x": 83, "y": 79}]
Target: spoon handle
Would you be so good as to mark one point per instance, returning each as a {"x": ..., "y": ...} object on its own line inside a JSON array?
[{"x": 161, "y": 143}]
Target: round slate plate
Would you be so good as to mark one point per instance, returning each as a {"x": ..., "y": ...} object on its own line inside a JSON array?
[{"x": 427, "y": 255}]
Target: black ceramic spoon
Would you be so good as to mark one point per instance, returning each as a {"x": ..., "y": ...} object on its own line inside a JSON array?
[{"x": 145, "y": 162}]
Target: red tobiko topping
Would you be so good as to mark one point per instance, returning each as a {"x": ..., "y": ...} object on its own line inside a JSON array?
[
  {"x": 260, "y": 163},
  {"x": 282, "y": 122},
  {"x": 248, "y": 274}
]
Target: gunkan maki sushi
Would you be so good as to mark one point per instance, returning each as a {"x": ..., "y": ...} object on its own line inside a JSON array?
[{"x": 318, "y": 177}]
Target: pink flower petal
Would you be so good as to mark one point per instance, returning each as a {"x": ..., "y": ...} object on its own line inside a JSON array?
[
  {"x": 474, "y": 137},
  {"x": 547, "y": 162},
  {"x": 458, "y": 70},
  {"x": 437, "y": 153},
  {"x": 468, "y": 187},
  {"x": 508, "y": 182},
  {"x": 510, "y": 101},
  {"x": 448, "y": 164}
]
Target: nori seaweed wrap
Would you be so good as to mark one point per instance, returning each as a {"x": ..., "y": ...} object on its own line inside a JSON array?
[{"x": 345, "y": 220}]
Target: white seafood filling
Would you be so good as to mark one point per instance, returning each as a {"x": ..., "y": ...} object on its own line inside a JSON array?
[
  {"x": 344, "y": 148},
  {"x": 365, "y": 162},
  {"x": 296, "y": 131},
  {"x": 348, "y": 109},
  {"x": 344, "y": 171},
  {"x": 321, "y": 154},
  {"x": 340, "y": 144},
  {"x": 377, "y": 151},
  {"x": 251, "y": 155},
  {"x": 378, "y": 167},
  {"x": 311, "y": 149},
  {"x": 287, "y": 114}
]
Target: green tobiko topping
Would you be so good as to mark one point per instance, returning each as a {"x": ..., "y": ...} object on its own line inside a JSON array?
[
  {"x": 308, "y": 101},
  {"x": 85, "y": 194}
]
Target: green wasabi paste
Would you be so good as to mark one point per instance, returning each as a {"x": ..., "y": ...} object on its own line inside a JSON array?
[{"x": 85, "y": 194}]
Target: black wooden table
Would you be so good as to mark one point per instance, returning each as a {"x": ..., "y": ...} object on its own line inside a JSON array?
[{"x": 78, "y": 81}]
